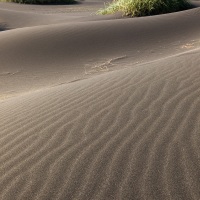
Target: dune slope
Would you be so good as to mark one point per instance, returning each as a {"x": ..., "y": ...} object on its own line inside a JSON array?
[
  {"x": 99, "y": 108},
  {"x": 129, "y": 134}
]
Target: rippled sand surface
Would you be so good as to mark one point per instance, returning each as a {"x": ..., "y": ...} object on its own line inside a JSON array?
[{"x": 98, "y": 107}]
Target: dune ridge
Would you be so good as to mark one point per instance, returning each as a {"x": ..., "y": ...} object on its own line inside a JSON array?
[
  {"x": 42, "y": 47},
  {"x": 84, "y": 115}
]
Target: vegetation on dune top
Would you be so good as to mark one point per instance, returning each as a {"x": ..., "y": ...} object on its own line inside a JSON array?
[
  {"x": 40, "y": 1},
  {"x": 144, "y": 7}
]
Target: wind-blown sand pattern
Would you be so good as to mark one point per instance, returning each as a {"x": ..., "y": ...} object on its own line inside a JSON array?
[{"x": 98, "y": 107}]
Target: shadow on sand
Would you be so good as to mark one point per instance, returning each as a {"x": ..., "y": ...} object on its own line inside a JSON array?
[{"x": 3, "y": 27}]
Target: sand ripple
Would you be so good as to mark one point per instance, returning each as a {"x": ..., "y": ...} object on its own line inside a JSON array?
[{"x": 129, "y": 134}]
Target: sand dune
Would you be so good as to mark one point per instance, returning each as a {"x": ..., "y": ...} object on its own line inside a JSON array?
[
  {"x": 76, "y": 47},
  {"x": 98, "y": 107}
]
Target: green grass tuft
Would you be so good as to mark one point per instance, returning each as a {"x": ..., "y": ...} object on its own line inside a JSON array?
[
  {"x": 40, "y": 1},
  {"x": 144, "y": 7}
]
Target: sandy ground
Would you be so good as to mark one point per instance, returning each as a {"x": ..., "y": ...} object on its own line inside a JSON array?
[{"x": 98, "y": 107}]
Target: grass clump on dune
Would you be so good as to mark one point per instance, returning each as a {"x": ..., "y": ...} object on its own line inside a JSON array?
[
  {"x": 144, "y": 7},
  {"x": 40, "y": 1}
]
